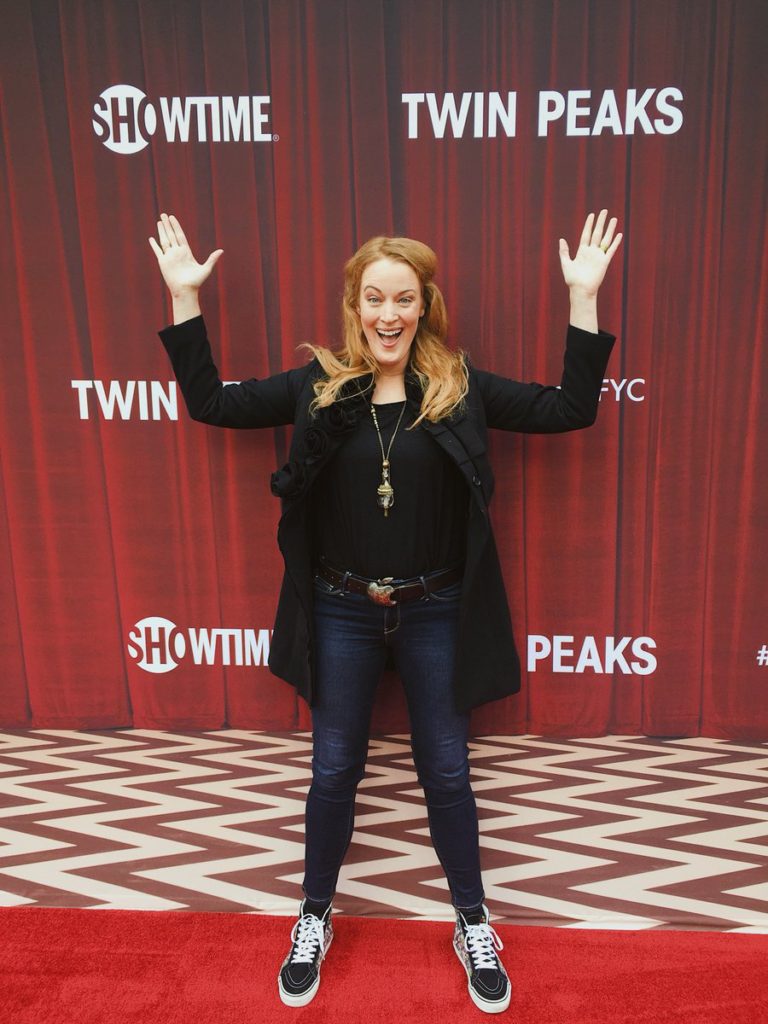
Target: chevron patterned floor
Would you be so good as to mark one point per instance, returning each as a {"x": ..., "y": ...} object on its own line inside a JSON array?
[{"x": 617, "y": 832}]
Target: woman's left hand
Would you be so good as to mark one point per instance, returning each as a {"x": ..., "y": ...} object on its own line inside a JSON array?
[{"x": 597, "y": 245}]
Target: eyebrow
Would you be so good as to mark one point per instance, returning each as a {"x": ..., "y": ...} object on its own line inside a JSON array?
[{"x": 403, "y": 292}]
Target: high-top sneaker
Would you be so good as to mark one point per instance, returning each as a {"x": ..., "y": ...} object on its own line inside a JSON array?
[
  {"x": 476, "y": 942},
  {"x": 299, "y": 977}
]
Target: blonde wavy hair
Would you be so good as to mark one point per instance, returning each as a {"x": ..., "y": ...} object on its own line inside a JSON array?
[{"x": 441, "y": 372}]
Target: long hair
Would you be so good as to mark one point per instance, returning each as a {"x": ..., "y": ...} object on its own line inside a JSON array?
[{"x": 441, "y": 372}]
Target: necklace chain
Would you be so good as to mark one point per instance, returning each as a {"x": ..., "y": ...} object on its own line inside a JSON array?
[{"x": 385, "y": 491}]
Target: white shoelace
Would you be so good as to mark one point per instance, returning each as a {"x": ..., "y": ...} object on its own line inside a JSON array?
[
  {"x": 481, "y": 940},
  {"x": 310, "y": 933}
]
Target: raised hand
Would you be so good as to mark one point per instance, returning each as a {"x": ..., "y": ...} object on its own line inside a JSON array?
[
  {"x": 181, "y": 271},
  {"x": 597, "y": 245}
]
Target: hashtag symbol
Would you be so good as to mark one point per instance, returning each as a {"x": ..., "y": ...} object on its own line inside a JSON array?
[{"x": 762, "y": 656}]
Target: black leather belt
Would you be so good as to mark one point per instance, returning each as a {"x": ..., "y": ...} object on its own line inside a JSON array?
[{"x": 384, "y": 591}]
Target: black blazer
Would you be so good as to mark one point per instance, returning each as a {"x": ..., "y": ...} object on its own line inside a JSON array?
[{"x": 487, "y": 663}]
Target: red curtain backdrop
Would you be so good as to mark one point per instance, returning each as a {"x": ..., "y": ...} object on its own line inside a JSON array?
[{"x": 634, "y": 552}]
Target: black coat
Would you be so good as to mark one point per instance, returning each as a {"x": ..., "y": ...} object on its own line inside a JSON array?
[{"x": 487, "y": 664}]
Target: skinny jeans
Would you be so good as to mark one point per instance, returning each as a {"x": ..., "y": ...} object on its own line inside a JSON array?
[{"x": 353, "y": 636}]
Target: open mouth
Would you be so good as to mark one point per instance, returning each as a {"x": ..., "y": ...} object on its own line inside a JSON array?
[{"x": 390, "y": 335}]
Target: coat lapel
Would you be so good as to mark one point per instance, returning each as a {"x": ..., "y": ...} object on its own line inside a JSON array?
[{"x": 462, "y": 442}]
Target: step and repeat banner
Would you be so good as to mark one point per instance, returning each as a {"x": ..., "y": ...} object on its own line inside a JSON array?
[{"x": 138, "y": 560}]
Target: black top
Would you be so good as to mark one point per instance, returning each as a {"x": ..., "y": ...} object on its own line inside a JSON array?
[{"x": 426, "y": 527}]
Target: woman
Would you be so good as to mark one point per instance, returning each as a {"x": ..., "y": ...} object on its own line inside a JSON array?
[{"x": 388, "y": 547}]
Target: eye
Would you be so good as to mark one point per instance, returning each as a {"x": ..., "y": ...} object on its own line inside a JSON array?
[
  {"x": 372, "y": 298},
  {"x": 406, "y": 299}
]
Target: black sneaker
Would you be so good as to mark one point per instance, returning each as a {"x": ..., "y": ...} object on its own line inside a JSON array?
[
  {"x": 299, "y": 977},
  {"x": 476, "y": 943}
]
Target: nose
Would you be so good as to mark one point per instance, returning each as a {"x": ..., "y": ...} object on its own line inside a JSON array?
[{"x": 388, "y": 311}]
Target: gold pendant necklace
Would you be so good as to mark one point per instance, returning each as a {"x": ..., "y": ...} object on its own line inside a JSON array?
[{"x": 385, "y": 491}]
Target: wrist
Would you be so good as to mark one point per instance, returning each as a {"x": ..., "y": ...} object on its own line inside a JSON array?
[
  {"x": 185, "y": 305},
  {"x": 578, "y": 293},
  {"x": 584, "y": 311},
  {"x": 186, "y": 292}
]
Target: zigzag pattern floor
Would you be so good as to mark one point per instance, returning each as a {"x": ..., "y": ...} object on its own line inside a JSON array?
[{"x": 616, "y": 832}]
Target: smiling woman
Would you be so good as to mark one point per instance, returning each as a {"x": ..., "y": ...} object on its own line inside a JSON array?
[
  {"x": 391, "y": 305},
  {"x": 392, "y": 412},
  {"x": 394, "y": 321}
]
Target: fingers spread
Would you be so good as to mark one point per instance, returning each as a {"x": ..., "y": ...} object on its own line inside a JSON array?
[
  {"x": 156, "y": 248},
  {"x": 608, "y": 236},
  {"x": 169, "y": 230},
  {"x": 173, "y": 238},
  {"x": 213, "y": 258},
  {"x": 181, "y": 238},
  {"x": 585, "y": 234},
  {"x": 614, "y": 245},
  {"x": 597, "y": 234},
  {"x": 162, "y": 234}
]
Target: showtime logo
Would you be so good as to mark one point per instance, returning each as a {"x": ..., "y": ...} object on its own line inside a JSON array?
[
  {"x": 158, "y": 645},
  {"x": 125, "y": 120},
  {"x": 599, "y": 655}
]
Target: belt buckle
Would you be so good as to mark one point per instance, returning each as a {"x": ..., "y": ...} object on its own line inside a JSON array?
[{"x": 380, "y": 591}]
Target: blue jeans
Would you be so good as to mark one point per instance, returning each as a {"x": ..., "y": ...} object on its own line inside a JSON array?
[{"x": 352, "y": 638}]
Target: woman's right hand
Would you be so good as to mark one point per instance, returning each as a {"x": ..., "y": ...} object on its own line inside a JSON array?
[{"x": 181, "y": 271}]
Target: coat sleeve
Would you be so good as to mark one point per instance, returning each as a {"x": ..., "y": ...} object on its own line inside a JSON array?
[
  {"x": 546, "y": 409},
  {"x": 270, "y": 402}
]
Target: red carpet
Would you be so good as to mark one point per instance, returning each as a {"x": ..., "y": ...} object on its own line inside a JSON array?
[{"x": 87, "y": 966}]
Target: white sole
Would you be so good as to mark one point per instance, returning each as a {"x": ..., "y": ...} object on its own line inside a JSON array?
[{"x": 301, "y": 1000}]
